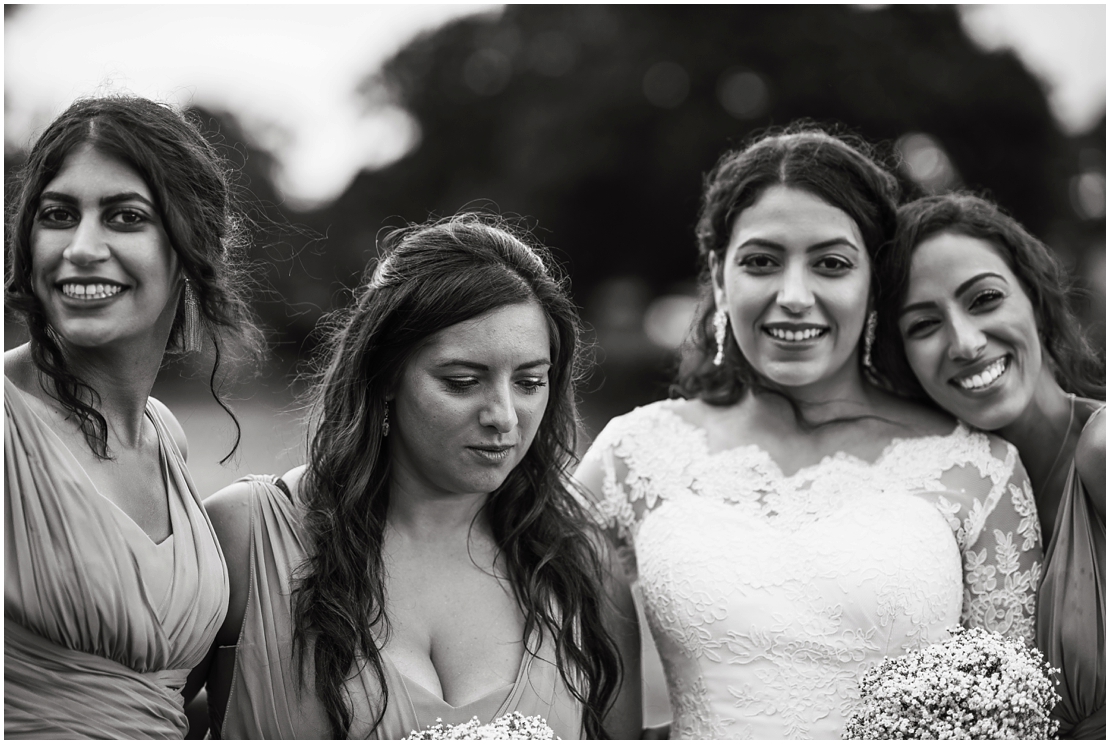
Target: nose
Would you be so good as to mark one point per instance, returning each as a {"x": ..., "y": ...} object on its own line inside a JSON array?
[
  {"x": 498, "y": 410},
  {"x": 794, "y": 294},
  {"x": 87, "y": 245},
  {"x": 966, "y": 341}
]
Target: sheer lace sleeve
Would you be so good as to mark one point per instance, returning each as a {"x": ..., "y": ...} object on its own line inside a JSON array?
[
  {"x": 988, "y": 502},
  {"x": 602, "y": 475}
]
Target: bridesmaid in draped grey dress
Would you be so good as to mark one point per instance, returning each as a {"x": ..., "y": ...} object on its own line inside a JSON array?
[
  {"x": 981, "y": 309},
  {"x": 429, "y": 562},
  {"x": 114, "y": 584}
]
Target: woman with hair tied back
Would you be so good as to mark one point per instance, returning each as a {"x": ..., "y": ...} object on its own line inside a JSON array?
[
  {"x": 975, "y": 315},
  {"x": 429, "y": 562},
  {"x": 123, "y": 244},
  {"x": 792, "y": 522}
]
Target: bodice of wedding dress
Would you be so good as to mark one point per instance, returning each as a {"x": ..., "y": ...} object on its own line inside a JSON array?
[{"x": 769, "y": 596}]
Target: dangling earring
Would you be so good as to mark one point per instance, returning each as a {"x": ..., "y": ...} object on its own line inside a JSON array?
[
  {"x": 869, "y": 338},
  {"x": 192, "y": 331},
  {"x": 720, "y": 328},
  {"x": 385, "y": 421}
]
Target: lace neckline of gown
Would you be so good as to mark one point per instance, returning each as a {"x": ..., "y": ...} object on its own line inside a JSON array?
[{"x": 805, "y": 472}]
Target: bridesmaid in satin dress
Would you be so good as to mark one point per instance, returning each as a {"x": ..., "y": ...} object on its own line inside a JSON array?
[
  {"x": 120, "y": 251},
  {"x": 981, "y": 307},
  {"x": 429, "y": 563}
]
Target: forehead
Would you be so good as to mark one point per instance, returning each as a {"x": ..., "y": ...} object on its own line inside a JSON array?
[
  {"x": 792, "y": 215},
  {"x": 512, "y": 333},
  {"x": 943, "y": 262},
  {"x": 86, "y": 169}
]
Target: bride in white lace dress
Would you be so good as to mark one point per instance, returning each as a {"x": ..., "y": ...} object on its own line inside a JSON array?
[{"x": 790, "y": 524}]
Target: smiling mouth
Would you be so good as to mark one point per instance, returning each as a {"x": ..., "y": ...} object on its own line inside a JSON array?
[
  {"x": 986, "y": 377},
  {"x": 87, "y": 292},
  {"x": 795, "y": 335}
]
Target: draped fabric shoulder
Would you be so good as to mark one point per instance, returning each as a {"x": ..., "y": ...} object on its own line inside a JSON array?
[
  {"x": 102, "y": 626},
  {"x": 1071, "y": 622},
  {"x": 272, "y": 697}
]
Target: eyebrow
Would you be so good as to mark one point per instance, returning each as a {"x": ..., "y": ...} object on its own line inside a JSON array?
[
  {"x": 959, "y": 291},
  {"x": 106, "y": 201},
  {"x": 764, "y": 243},
  {"x": 485, "y": 367}
]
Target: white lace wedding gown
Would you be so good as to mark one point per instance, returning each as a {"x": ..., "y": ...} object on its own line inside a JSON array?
[{"x": 769, "y": 595}]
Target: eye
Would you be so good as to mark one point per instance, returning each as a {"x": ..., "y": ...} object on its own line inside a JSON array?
[
  {"x": 459, "y": 384},
  {"x": 833, "y": 264},
  {"x": 55, "y": 216},
  {"x": 758, "y": 263},
  {"x": 127, "y": 218},
  {"x": 920, "y": 327},
  {"x": 987, "y": 299},
  {"x": 532, "y": 385}
]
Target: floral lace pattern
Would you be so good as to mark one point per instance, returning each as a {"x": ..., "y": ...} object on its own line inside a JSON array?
[{"x": 769, "y": 595}]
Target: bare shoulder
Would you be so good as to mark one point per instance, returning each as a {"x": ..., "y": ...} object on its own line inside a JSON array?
[
  {"x": 173, "y": 426},
  {"x": 229, "y": 510},
  {"x": 1090, "y": 459},
  {"x": 294, "y": 477}
]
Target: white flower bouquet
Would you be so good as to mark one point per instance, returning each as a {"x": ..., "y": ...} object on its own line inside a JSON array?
[
  {"x": 511, "y": 726},
  {"x": 975, "y": 685}
]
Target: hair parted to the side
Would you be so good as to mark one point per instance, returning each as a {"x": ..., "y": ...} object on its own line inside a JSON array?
[
  {"x": 1078, "y": 368},
  {"x": 843, "y": 171},
  {"x": 196, "y": 205},
  {"x": 430, "y": 277}
]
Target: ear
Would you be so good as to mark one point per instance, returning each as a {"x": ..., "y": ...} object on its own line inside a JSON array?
[{"x": 716, "y": 277}]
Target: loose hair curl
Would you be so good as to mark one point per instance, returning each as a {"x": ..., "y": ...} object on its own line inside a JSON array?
[
  {"x": 1078, "y": 368},
  {"x": 431, "y": 277},
  {"x": 194, "y": 199}
]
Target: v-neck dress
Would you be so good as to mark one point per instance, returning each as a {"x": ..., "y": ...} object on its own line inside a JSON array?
[
  {"x": 268, "y": 700},
  {"x": 101, "y": 625}
]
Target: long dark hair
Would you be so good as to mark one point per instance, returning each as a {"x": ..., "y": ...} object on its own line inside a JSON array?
[
  {"x": 840, "y": 170},
  {"x": 1078, "y": 368},
  {"x": 430, "y": 277},
  {"x": 194, "y": 199}
]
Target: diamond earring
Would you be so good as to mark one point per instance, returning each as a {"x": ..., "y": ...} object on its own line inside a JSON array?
[
  {"x": 720, "y": 328},
  {"x": 192, "y": 331},
  {"x": 869, "y": 338}
]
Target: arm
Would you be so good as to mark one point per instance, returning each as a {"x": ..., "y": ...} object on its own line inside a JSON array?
[
  {"x": 173, "y": 426},
  {"x": 229, "y": 512},
  {"x": 625, "y": 718},
  {"x": 1090, "y": 461},
  {"x": 1002, "y": 550}
]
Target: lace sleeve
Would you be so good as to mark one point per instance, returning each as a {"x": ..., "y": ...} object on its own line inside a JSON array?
[
  {"x": 601, "y": 477},
  {"x": 999, "y": 539}
]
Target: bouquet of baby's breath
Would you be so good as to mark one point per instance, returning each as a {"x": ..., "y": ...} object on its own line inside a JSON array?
[
  {"x": 975, "y": 685},
  {"x": 512, "y": 726}
]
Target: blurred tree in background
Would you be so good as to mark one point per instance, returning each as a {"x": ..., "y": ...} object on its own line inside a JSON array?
[{"x": 596, "y": 124}]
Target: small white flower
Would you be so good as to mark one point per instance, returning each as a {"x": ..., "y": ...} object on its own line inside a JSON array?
[{"x": 513, "y": 726}]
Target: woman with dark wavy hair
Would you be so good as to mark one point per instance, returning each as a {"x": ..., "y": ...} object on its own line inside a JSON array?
[
  {"x": 975, "y": 315},
  {"x": 430, "y": 561},
  {"x": 122, "y": 247},
  {"x": 793, "y": 522}
]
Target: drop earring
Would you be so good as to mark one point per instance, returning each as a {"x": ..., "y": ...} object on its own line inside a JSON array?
[
  {"x": 869, "y": 338},
  {"x": 385, "y": 421},
  {"x": 720, "y": 329},
  {"x": 192, "y": 330}
]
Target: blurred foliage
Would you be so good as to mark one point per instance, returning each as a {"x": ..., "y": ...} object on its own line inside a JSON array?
[{"x": 596, "y": 123}]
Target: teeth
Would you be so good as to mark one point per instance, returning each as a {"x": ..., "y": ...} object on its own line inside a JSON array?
[
  {"x": 984, "y": 378},
  {"x": 91, "y": 291},
  {"x": 785, "y": 335}
]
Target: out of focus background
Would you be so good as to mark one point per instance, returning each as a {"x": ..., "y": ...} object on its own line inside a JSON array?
[{"x": 592, "y": 123}]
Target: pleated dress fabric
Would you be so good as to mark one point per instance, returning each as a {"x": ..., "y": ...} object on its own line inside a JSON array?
[
  {"x": 269, "y": 700},
  {"x": 1071, "y": 622},
  {"x": 101, "y": 625}
]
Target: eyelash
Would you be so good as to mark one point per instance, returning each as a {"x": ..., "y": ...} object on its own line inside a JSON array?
[
  {"x": 749, "y": 262},
  {"x": 530, "y": 387},
  {"x": 51, "y": 214},
  {"x": 987, "y": 296}
]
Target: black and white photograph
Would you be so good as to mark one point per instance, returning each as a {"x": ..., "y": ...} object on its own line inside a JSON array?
[{"x": 471, "y": 371}]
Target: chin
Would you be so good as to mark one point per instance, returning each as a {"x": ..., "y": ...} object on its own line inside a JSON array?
[
  {"x": 794, "y": 375},
  {"x": 986, "y": 416}
]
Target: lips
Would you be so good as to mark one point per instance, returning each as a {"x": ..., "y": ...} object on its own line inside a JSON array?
[
  {"x": 88, "y": 290},
  {"x": 984, "y": 377},
  {"x": 795, "y": 332},
  {"x": 492, "y": 452}
]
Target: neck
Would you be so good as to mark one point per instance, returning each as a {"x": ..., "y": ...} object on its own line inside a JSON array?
[
  {"x": 843, "y": 394},
  {"x": 435, "y": 518},
  {"x": 123, "y": 378},
  {"x": 1041, "y": 431}
]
